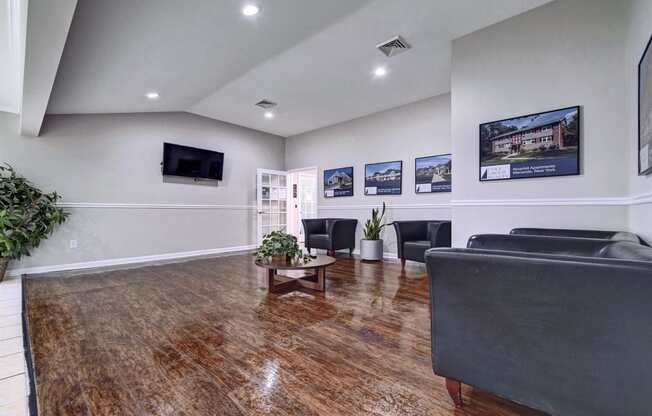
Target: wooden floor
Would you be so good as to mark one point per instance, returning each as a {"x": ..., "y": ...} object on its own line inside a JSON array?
[{"x": 205, "y": 338}]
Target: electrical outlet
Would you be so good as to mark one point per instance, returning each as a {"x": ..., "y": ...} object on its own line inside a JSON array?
[{"x": 74, "y": 244}]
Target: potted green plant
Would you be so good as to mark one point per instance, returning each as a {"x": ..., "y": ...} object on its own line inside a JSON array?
[
  {"x": 371, "y": 246},
  {"x": 27, "y": 216},
  {"x": 278, "y": 246}
]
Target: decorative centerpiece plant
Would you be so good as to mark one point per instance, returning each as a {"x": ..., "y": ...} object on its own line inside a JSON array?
[
  {"x": 280, "y": 246},
  {"x": 27, "y": 216},
  {"x": 371, "y": 247}
]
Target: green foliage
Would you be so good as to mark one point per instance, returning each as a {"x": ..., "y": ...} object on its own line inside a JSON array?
[
  {"x": 27, "y": 215},
  {"x": 278, "y": 243},
  {"x": 374, "y": 225}
]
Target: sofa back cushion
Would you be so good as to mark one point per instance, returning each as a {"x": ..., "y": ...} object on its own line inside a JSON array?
[
  {"x": 555, "y": 232},
  {"x": 625, "y": 250},
  {"x": 583, "y": 247}
]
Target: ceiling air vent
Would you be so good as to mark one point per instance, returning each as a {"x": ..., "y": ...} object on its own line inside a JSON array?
[
  {"x": 266, "y": 104},
  {"x": 394, "y": 46}
]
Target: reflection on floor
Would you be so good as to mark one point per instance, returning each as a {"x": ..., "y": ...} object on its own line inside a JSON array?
[{"x": 205, "y": 338}]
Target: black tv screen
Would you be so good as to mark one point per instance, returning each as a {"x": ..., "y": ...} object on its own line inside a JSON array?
[{"x": 192, "y": 162}]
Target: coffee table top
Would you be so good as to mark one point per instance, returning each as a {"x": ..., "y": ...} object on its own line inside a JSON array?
[{"x": 319, "y": 261}]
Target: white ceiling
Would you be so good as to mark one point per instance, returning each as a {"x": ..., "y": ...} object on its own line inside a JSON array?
[{"x": 314, "y": 57}]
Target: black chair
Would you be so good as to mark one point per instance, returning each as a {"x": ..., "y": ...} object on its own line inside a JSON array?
[
  {"x": 413, "y": 238},
  {"x": 559, "y": 324},
  {"x": 330, "y": 234}
]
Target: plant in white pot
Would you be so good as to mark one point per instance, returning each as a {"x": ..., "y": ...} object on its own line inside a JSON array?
[
  {"x": 371, "y": 246},
  {"x": 27, "y": 216}
]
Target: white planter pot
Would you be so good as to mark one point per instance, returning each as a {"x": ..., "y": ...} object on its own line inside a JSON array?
[{"x": 371, "y": 249}]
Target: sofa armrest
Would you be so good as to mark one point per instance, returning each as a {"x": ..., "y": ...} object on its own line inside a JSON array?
[
  {"x": 409, "y": 231},
  {"x": 440, "y": 233},
  {"x": 314, "y": 226},
  {"x": 520, "y": 325},
  {"x": 342, "y": 233}
]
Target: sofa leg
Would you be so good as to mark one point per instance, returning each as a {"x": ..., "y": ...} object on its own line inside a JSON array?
[
  {"x": 402, "y": 263},
  {"x": 350, "y": 252},
  {"x": 454, "y": 388}
]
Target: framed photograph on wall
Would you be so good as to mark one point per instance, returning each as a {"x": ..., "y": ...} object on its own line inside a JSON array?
[
  {"x": 532, "y": 146},
  {"x": 645, "y": 112},
  {"x": 338, "y": 182},
  {"x": 384, "y": 178},
  {"x": 433, "y": 174}
]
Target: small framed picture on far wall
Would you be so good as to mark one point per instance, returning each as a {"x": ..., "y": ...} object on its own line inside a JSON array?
[
  {"x": 433, "y": 174},
  {"x": 384, "y": 178}
]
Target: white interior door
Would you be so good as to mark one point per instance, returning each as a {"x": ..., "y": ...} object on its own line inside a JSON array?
[
  {"x": 302, "y": 201},
  {"x": 272, "y": 197}
]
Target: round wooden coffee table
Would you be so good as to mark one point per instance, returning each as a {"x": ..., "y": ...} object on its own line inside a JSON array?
[{"x": 282, "y": 283}]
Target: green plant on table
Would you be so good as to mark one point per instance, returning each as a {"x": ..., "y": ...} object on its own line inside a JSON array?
[
  {"x": 27, "y": 215},
  {"x": 278, "y": 243},
  {"x": 374, "y": 225}
]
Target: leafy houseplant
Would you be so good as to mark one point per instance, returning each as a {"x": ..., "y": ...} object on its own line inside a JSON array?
[
  {"x": 371, "y": 247},
  {"x": 280, "y": 246},
  {"x": 27, "y": 216}
]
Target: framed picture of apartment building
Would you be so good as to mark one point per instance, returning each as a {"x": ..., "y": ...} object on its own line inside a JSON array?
[
  {"x": 433, "y": 174},
  {"x": 384, "y": 178},
  {"x": 532, "y": 146},
  {"x": 338, "y": 182},
  {"x": 645, "y": 112}
]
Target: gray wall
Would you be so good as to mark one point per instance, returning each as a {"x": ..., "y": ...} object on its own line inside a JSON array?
[
  {"x": 640, "y": 187},
  {"x": 403, "y": 133},
  {"x": 566, "y": 53},
  {"x": 115, "y": 160}
]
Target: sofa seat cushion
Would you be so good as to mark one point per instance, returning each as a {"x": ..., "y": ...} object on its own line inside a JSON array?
[
  {"x": 415, "y": 250},
  {"x": 319, "y": 240}
]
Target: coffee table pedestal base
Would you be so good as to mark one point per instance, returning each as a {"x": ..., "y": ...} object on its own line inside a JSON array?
[{"x": 280, "y": 283}]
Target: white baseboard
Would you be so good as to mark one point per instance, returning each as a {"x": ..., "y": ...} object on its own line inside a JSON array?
[{"x": 126, "y": 260}]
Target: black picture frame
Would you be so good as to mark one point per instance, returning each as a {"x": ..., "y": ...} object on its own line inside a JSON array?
[
  {"x": 367, "y": 183},
  {"x": 641, "y": 87},
  {"x": 342, "y": 194},
  {"x": 447, "y": 188},
  {"x": 578, "y": 169}
]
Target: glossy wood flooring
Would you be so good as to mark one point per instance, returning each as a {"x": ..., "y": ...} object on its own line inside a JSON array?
[{"x": 205, "y": 338}]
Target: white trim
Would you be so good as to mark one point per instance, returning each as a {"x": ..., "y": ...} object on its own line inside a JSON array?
[
  {"x": 641, "y": 199},
  {"x": 389, "y": 206},
  {"x": 386, "y": 256},
  {"x": 105, "y": 205},
  {"x": 126, "y": 260},
  {"x": 619, "y": 201}
]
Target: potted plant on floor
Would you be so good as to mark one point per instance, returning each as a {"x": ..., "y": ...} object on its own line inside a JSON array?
[
  {"x": 27, "y": 216},
  {"x": 281, "y": 247},
  {"x": 371, "y": 246}
]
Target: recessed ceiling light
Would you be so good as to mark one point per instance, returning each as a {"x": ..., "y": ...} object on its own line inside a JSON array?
[
  {"x": 380, "y": 71},
  {"x": 269, "y": 115},
  {"x": 152, "y": 95},
  {"x": 250, "y": 10}
]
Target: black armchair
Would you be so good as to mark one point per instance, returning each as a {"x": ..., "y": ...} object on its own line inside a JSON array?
[
  {"x": 413, "y": 238},
  {"x": 555, "y": 323},
  {"x": 330, "y": 234}
]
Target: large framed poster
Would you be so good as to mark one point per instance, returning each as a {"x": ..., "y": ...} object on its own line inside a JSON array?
[
  {"x": 433, "y": 174},
  {"x": 338, "y": 182},
  {"x": 532, "y": 146},
  {"x": 645, "y": 112},
  {"x": 384, "y": 178}
]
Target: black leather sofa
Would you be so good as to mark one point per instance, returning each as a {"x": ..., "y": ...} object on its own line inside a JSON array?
[
  {"x": 330, "y": 234},
  {"x": 413, "y": 238},
  {"x": 560, "y": 232},
  {"x": 559, "y": 324}
]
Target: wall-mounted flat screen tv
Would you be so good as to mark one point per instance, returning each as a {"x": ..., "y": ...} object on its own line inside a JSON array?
[
  {"x": 192, "y": 162},
  {"x": 532, "y": 146}
]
